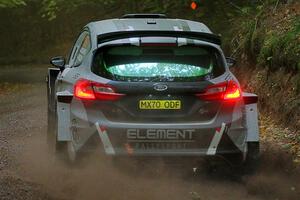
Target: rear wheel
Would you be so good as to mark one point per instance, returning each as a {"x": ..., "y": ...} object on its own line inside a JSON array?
[
  {"x": 249, "y": 163},
  {"x": 238, "y": 164},
  {"x": 252, "y": 158},
  {"x": 53, "y": 145}
]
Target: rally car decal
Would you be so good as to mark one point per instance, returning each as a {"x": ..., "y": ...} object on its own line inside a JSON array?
[
  {"x": 216, "y": 140},
  {"x": 105, "y": 140}
]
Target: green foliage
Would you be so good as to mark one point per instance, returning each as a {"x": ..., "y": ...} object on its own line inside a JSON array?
[
  {"x": 282, "y": 49},
  {"x": 11, "y": 3},
  {"x": 50, "y": 8},
  {"x": 272, "y": 41},
  {"x": 59, "y": 21}
]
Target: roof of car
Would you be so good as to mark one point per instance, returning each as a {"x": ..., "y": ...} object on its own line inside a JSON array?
[{"x": 144, "y": 24}]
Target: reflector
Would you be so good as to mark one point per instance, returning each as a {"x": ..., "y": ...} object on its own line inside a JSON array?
[{"x": 194, "y": 5}]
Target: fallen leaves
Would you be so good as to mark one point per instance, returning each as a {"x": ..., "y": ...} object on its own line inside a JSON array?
[{"x": 282, "y": 137}]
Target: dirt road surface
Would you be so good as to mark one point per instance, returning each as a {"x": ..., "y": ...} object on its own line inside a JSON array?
[{"x": 29, "y": 171}]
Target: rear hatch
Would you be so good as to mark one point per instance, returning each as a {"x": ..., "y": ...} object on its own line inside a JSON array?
[{"x": 158, "y": 82}]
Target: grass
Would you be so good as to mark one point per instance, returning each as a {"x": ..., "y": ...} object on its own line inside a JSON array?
[
  {"x": 272, "y": 40},
  {"x": 282, "y": 49}
]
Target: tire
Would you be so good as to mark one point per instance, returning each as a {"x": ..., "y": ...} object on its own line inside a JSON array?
[
  {"x": 252, "y": 157},
  {"x": 238, "y": 164}
]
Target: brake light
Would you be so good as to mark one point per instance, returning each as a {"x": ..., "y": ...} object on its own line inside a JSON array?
[
  {"x": 233, "y": 91},
  {"x": 88, "y": 90},
  {"x": 84, "y": 90},
  {"x": 228, "y": 90}
]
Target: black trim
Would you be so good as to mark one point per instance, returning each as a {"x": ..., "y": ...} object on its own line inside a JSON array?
[
  {"x": 250, "y": 99},
  {"x": 52, "y": 76},
  {"x": 144, "y": 15},
  {"x": 148, "y": 87},
  {"x": 226, "y": 145},
  {"x": 208, "y": 37},
  {"x": 65, "y": 98}
]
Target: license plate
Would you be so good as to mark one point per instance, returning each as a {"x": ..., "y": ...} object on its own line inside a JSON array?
[{"x": 160, "y": 104}]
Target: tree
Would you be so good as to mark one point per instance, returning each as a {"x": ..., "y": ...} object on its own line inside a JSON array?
[{"x": 11, "y": 3}]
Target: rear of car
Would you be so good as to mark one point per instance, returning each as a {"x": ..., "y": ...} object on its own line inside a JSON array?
[
  {"x": 154, "y": 93},
  {"x": 162, "y": 99}
]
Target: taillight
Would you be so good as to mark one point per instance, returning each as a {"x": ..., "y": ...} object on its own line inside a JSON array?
[
  {"x": 233, "y": 91},
  {"x": 88, "y": 90},
  {"x": 228, "y": 90},
  {"x": 84, "y": 90}
]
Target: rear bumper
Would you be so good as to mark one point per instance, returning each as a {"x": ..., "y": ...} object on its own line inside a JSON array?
[
  {"x": 158, "y": 142},
  {"x": 224, "y": 134}
]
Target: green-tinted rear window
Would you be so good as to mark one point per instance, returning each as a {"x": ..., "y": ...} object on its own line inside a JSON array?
[
  {"x": 158, "y": 63},
  {"x": 158, "y": 69}
]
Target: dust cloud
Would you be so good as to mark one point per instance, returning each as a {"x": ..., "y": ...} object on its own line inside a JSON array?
[
  {"x": 99, "y": 177},
  {"x": 24, "y": 125}
]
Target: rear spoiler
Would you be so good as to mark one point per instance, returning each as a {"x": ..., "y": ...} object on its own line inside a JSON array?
[{"x": 207, "y": 37}]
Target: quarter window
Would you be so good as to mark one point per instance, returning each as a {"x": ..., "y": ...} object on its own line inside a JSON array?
[
  {"x": 83, "y": 50},
  {"x": 80, "y": 49}
]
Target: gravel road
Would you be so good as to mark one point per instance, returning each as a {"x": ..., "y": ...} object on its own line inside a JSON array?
[{"x": 28, "y": 171}]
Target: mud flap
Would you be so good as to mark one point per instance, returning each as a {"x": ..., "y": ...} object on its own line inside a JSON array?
[
  {"x": 251, "y": 117},
  {"x": 63, "y": 116}
]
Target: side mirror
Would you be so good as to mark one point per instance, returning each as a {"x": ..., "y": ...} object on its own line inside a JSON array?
[
  {"x": 230, "y": 61},
  {"x": 58, "y": 62}
]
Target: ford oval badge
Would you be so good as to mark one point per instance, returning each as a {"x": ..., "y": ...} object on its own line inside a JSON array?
[{"x": 160, "y": 87}]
